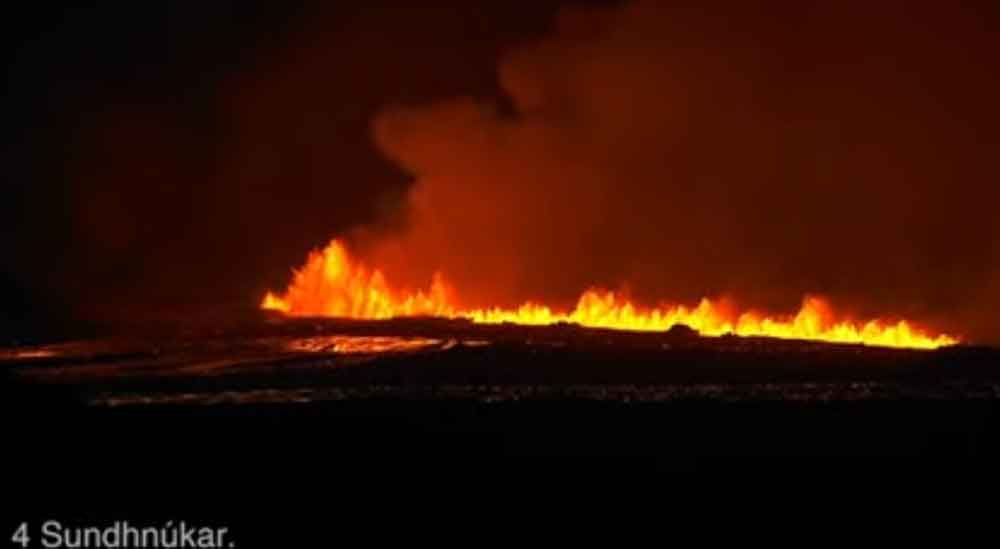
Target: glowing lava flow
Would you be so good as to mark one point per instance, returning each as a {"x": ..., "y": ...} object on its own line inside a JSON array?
[{"x": 332, "y": 284}]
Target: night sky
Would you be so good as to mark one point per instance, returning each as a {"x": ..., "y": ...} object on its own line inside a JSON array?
[
  {"x": 181, "y": 157},
  {"x": 178, "y": 154}
]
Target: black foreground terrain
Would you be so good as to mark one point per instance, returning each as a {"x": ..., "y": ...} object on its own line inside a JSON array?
[{"x": 275, "y": 388}]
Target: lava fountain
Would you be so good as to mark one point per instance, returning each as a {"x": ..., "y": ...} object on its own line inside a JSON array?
[{"x": 332, "y": 283}]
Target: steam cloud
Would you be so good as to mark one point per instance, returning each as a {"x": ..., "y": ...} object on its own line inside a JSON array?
[{"x": 752, "y": 153}]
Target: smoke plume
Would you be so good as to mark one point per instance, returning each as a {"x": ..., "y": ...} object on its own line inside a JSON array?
[{"x": 759, "y": 154}]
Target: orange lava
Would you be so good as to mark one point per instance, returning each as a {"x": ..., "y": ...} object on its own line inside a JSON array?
[{"x": 331, "y": 283}]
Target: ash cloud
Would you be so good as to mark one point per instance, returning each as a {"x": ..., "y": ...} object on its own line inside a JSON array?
[{"x": 761, "y": 153}]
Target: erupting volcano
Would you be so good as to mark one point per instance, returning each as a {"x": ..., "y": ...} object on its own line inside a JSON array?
[
  {"x": 334, "y": 284},
  {"x": 625, "y": 146},
  {"x": 314, "y": 232}
]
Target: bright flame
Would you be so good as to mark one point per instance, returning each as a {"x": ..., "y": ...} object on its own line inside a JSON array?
[{"x": 332, "y": 284}]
